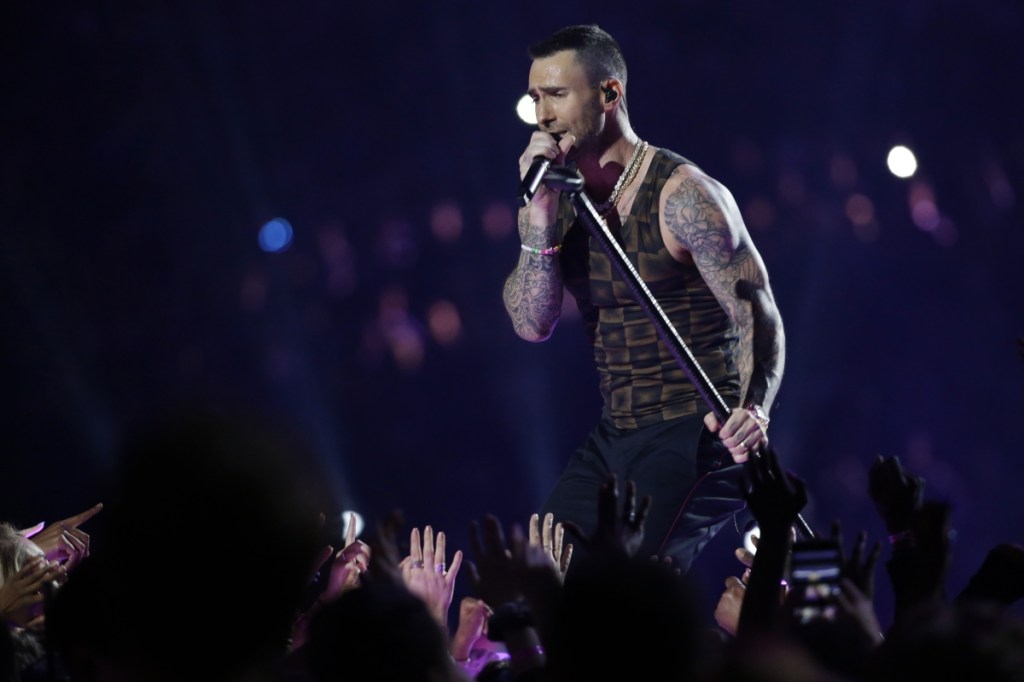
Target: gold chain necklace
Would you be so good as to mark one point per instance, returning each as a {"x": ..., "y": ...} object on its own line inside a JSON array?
[{"x": 626, "y": 177}]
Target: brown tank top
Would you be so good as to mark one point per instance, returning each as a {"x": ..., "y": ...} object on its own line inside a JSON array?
[{"x": 641, "y": 382}]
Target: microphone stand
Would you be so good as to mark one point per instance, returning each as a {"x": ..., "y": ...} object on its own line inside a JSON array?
[{"x": 571, "y": 182}]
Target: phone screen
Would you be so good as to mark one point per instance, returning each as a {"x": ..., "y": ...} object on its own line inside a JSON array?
[{"x": 814, "y": 575}]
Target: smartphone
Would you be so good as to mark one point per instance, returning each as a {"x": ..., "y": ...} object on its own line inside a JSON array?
[{"x": 815, "y": 572}]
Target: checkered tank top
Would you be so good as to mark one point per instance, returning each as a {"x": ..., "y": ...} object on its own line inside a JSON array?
[{"x": 641, "y": 382}]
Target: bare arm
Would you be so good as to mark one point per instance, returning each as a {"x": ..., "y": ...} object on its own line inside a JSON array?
[
  {"x": 701, "y": 222},
  {"x": 533, "y": 292}
]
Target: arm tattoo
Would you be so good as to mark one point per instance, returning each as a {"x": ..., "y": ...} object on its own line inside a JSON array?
[
  {"x": 699, "y": 220},
  {"x": 533, "y": 292}
]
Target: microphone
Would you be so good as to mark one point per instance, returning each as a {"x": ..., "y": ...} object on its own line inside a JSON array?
[{"x": 532, "y": 179}]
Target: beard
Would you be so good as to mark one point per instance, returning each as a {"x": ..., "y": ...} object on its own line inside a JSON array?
[{"x": 589, "y": 133}]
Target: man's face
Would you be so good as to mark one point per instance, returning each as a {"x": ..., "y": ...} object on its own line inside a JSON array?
[{"x": 564, "y": 99}]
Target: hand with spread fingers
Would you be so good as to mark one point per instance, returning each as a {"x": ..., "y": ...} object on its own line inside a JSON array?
[
  {"x": 860, "y": 566},
  {"x": 386, "y": 550},
  {"x": 493, "y": 571},
  {"x": 427, "y": 575},
  {"x": 550, "y": 538},
  {"x": 617, "y": 531}
]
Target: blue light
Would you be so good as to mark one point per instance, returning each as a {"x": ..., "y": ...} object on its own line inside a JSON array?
[{"x": 276, "y": 235}]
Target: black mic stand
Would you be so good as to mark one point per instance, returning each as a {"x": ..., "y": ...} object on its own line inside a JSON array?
[{"x": 569, "y": 180}]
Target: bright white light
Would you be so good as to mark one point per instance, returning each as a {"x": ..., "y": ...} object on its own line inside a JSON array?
[
  {"x": 346, "y": 516},
  {"x": 748, "y": 539},
  {"x": 901, "y": 161},
  {"x": 526, "y": 110}
]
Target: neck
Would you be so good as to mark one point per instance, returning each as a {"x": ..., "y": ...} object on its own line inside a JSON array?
[{"x": 602, "y": 167}]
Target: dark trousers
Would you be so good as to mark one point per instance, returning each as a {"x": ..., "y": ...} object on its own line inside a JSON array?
[{"x": 694, "y": 486}]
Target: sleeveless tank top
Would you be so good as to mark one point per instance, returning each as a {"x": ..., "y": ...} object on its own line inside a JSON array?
[{"x": 641, "y": 383}]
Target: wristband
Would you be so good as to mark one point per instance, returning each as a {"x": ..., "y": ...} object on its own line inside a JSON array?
[{"x": 550, "y": 251}]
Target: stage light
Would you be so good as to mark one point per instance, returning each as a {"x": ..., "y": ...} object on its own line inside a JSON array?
[
  {"x": 749, "y": 538},
  {"x": 498, "y": 220},
  {"x": 860, "y": 210},
  {"x": 446, "y": 221},
  {"x": 275, "y": 235},
  {"x": 901, "y": 161},
  {"x": 525, "y": 109},
  {"x": 444, "y": 322}
]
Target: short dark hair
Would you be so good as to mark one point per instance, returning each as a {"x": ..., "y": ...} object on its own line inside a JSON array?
[{"x": 599, "y": 53}]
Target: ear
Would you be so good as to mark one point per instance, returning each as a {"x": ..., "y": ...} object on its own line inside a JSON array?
[{"x": 612, "y": 93}]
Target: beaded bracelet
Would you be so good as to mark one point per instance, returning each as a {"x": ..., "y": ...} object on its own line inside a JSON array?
[{"x": 550, "y": 251}]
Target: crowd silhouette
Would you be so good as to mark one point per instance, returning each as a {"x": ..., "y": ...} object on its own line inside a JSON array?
[{"x": 216, "y": 563}]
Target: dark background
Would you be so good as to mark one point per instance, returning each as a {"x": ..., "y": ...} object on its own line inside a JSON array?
[{"x": 145, "y": 144}]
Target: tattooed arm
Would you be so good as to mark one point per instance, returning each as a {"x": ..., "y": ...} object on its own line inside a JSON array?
[
  {"x": 701, "y": 223},
  {"x": 533, "y": 292}
]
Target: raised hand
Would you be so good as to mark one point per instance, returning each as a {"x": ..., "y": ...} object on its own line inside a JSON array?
[
  {"x": 473, "y": 615},
  {"x": 21, "y": 595},
  {"x": 493, "y": 571},
  {"x": 426, "y": 574},
  {"x": 349, "y": 564},
  {"x": 858, "y": 609},
  {"x": 896, "y": 492},
  {"x": 617, "y": 531},
  {"x": 386, "y": 553},
  {"x": 63, "y": 541},
  {"x": 550, "y": 538},
  {"x": 860, "y": 567},
  {"x": 775, "y": 497},
  {"x": 519, "y": 579}
]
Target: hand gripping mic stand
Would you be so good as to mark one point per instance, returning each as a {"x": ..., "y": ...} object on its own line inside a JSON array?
[{"x": 569, "y": 181}]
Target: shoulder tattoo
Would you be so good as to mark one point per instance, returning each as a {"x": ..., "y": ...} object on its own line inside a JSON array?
[{"x": 696, "y": 220}]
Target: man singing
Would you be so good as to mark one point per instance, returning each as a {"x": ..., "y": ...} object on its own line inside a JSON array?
[{"x": 683, "y": 232}]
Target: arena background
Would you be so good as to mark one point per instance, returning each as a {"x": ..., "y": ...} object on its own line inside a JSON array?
[{"x": 148, "y": 146}]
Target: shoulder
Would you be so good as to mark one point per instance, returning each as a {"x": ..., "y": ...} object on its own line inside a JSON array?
[
  {"x": 688, "y": 183},
  {"x": 698, "y": 212}
]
